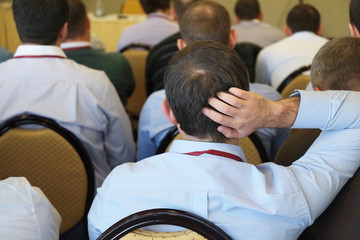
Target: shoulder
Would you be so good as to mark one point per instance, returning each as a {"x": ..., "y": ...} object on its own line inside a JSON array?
[{"x": 265, "y": 90}]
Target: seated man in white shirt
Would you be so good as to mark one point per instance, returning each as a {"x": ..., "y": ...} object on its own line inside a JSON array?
[
  {"x": 251, "y": 28},
  {"x": 204, "y": 174},
  {"x": 155, "y": 28},
  {"x": 202, "y": 20},
  {"x": 275, "y": 62},
  {"x": 41, "y": 80},
  {"x": 26, "y": 213}
]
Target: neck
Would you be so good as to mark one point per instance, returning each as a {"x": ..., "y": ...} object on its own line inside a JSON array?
[
  {"x": 84, "y": 38},
  {"x": 206, "y": 139}
]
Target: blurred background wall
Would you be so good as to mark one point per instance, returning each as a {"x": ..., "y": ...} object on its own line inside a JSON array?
[{"x": 334, "y": 13}]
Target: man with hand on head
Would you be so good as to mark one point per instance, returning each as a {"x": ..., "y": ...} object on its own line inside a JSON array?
[{"x": 206, "y": 173}]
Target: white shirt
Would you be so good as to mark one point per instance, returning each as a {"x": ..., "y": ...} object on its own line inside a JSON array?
[
  {"x": 257, "y": 32},
  {"x": 40, "y": 80},
  {"x": 275, "y": 62},
  {"x": 25, "y": 212},
  {"x": 266, "y": 201},
  {"x": 155, "y": 28}
]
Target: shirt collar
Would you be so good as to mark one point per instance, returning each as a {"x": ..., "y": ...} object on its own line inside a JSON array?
[
  {"x": 67, "y": 45},
  {"x": 185, "y": 146},
  {"x": 158, "y": 15},
  {"x": 39, "y": 50},
  {"x": 303, "y": 34}
]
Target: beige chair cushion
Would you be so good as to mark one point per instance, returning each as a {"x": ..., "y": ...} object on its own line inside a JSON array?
[{"x": 147, "y": 235}]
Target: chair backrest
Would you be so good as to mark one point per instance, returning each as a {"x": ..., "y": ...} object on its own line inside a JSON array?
[
  {"x": 248, "y": 52},
  {"x": 295, "y": 146},
  {"x": 135, "y": 46},
  {"x": 157, "y": 63},
  {"x": 137, "y": 60},
  {"x": 292, "y": 76},
  {"x": 51, "y": 158},
  {"x": 300, "y": 82},
  {"x": 253, "y": 148},
  {"x": 187, "y": 220}
]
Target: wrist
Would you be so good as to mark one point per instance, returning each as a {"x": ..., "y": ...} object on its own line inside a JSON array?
[{"x": 284, "y": 112}]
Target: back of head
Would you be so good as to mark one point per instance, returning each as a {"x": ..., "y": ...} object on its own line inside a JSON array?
[
  {"x": 40, "y": 21},
  {"x": 151, "y": 6},
  {"x": 336, "y": 66},
  {"x": 77, "y": 19},
  {"x": 180, "y": 5},
  {"x": 247, "y": 9},
  {"x": 194, "y": 74},
  {"x": 205, "y": 20},
  {"x": 354, "y": 12},
  {"x": 303, "y": 17}
]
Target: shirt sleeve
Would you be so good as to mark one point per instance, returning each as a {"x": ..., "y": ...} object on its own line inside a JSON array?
[
  {"x": 334, "y": 157},
  {"x": 118, "y": 139},
  {"x": 328, "y": 110}
]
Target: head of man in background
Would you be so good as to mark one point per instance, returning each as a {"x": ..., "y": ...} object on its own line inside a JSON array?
[
  {"x": 248, "y": 10},
  {"x": 303, "y": 17},
  {"x": 41, "y": 22},
  {"x": 206, "y": 20},
  {"x": 354, "y": 13},
  {"x": 152, "y": 6},
  {"x": 336, "y": 65}
]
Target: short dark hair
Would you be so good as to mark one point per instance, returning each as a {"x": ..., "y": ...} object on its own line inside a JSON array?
[
  {"x": 77, "y": 19},
  {"x": 205, "y": 20},
  {"x": 247, "y": 9},
  {"x": 354, "y": 12},
  {"x": 336, "y": 66},
  {"x": 40, "y": 21},
  {"x": 180, "y": 5},
  {"x": 150, "y": 6},
  {"x": 303, "y": 17},
  {"x": 197, "y": 73}
]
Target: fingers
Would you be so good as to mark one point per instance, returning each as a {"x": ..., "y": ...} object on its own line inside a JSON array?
[
  {"x": 230, "y": 132},
  {"x": 217, "y": 117},
  {"x": 229, "y": 99}
]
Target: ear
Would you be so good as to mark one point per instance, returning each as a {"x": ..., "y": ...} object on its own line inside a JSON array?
[
  {"x": 261, "y": 16},
  {"x": 63, "y": 32},
  {"x": 181, "y": 43},
  {"x": 288, "y": 31},
  {"x": 87, "y": 23},
  {"x": 169, "y": 114},
  {"x": 319, "y": 31},
  {"x": 353, "y": 30},
  {"x": 316, "y": 88},
  {"x": 173, "y": 13},
  {"x": 237, "y": 20},
  {"x": 232, "y": 38}
]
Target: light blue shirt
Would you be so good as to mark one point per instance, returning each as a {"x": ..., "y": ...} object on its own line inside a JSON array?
[
  {"x": 153, "y": 125},
  {"x": 266, "y": 201},
  {"x": 155, "y": 28},
  {"x": 40, "y": 80}
]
